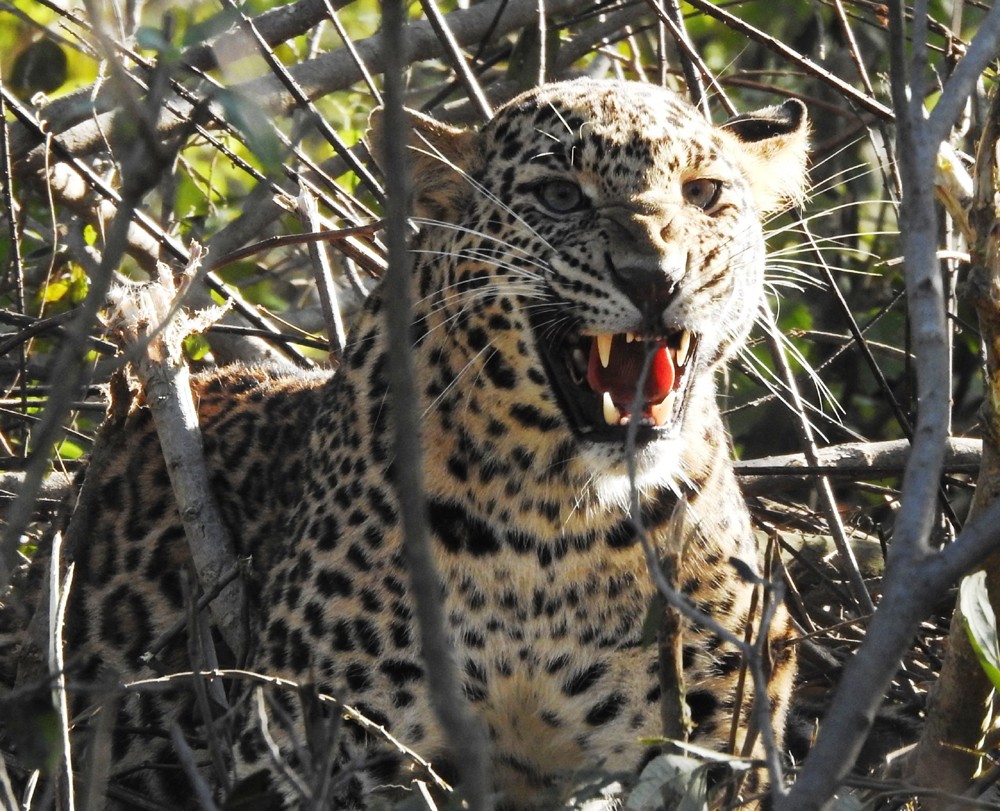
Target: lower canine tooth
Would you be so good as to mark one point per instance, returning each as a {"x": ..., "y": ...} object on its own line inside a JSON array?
[
  {"x": 661, "y": 411},
  {"x": 612, "y": 416}
]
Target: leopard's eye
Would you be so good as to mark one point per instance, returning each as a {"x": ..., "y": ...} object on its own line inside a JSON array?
[
  {"x": 561, "y": 196},
  {"x": 702, "y": 192}
]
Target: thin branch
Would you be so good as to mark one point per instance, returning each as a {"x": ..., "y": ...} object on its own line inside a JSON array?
[
  {"x": 170, "y": 682},
  {"x": 67, "y": 372},
  {"x": 984, "y": 48},
  {"x": 856, "y": 581},
  {"x": 863, "y": 100},
  {"x": 284, "y": 75},
  {"x": 323, "y": 277},
  {"x": 464, "y": 735},
  {"x": 692, "y": 65},
  {"x": 59, "y": 587},
  {"x": 457, "y": 59},
  {"x": 916, "y": 575}
]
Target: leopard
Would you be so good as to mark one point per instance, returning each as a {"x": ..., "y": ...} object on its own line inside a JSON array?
[{"x": 583, "y": 267}]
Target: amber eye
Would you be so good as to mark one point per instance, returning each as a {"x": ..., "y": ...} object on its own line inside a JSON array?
[
  {"x": 703, "y": 193},
  {"x": 561, "y": 196}
]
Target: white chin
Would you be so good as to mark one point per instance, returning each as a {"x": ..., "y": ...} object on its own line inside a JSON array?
[{"x": 657, "y": 466}]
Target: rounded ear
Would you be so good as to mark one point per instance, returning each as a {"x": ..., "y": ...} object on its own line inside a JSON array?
[
  {"x": 440, "y": 158},
  {"x": 773, "y": 146}
]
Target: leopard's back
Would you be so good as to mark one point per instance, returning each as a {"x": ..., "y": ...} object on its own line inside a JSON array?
[{"x": 134, "y": 580}]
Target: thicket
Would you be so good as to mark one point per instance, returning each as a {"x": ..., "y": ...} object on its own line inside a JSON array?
[{"x": 142, "y": 135}]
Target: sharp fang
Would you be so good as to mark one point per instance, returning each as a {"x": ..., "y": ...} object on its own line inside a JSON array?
[
  {"x": 684, "y": 348},
  {"x": 612, "y": 416},
  {"x": 604, "y": 348},
  {"x": 661, "y": 411}
]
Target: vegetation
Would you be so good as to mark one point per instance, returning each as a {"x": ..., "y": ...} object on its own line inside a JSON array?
[{"x": 135, "y": 134}]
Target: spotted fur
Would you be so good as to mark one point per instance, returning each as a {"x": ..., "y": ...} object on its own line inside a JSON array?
[{"x": 583, "y": 208}]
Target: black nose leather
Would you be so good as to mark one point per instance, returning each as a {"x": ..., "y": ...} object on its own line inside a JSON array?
[{"x": 649, "y": 289}]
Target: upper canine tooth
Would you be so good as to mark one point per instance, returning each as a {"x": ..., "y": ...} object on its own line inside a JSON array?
[
  {"x": 684, "y": 348},
  {"x": 604, "y": 348}
]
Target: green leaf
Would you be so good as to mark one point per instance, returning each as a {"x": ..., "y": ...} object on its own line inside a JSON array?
[
  {"x": 255, "y": 126},
  {"x": 196, "y": 346},
  {"x": 981, "y": 623},
  {"x": 69, "y": 450},
  {"x": 41, "y": 67},
  {"x": 79, "y": 284},
  {"x": 54, "y": 291}
]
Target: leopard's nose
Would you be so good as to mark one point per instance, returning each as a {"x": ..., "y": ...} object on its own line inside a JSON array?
[{"x": 650, "y": 289}]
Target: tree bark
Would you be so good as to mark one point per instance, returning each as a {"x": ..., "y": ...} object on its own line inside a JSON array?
[{"x": 946, "y": 756}]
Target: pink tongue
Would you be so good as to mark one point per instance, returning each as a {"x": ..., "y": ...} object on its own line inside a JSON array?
[{"x": 622, "y": 373}]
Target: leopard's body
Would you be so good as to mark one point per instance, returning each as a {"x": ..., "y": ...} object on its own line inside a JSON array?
[{"x": 583, "y": 209}]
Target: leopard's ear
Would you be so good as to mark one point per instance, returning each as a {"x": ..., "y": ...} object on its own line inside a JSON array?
[
  {"x": 773, "y": 146},
  {"x": 440, "y": 158}
]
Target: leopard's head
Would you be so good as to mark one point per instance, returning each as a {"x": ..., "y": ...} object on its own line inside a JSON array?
[{"x": 608, "y": 239}]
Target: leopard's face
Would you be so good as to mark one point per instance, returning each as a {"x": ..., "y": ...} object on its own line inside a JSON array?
[{"x": 623, "y": 233}]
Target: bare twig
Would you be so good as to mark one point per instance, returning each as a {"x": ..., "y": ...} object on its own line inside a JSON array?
[
  {"x": 863, "y": 100},
  {"x": 304, "y": 102},
  {"x": 170, "y": 683},
  {"x": 464, "y": 736},
  {"x": 202, "y": 792},
  {"x": 692, "y": 64},
  {"x": 59, "y": 587},
  {"x": 822, "y": 484},
  {"x": 323, "y": 276},
  {"x": 457, "y": 58},
  {"x": 68, "y": 368}
]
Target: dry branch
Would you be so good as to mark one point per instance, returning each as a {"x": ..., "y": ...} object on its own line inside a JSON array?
[
  {"x": 467, "y": 741},
  {"x": 856, "y": 459},
  {"x": 315, "y": 78},
  {"x": 946, "y": 757},
  {"x": 149, "y": 321}
]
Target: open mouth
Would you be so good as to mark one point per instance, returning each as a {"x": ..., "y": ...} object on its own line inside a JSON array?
[{"x": 596, "y": 379}]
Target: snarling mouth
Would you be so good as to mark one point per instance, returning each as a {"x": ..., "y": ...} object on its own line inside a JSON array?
[{"x": 596, "y": 379}]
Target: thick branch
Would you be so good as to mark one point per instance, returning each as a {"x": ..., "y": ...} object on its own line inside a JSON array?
[
  {"x": 161, "y": 368},
  {"x": 465, "y": 738},
  {"x": 856, "y": 459},
  {"x": 944, "y": 758}
]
